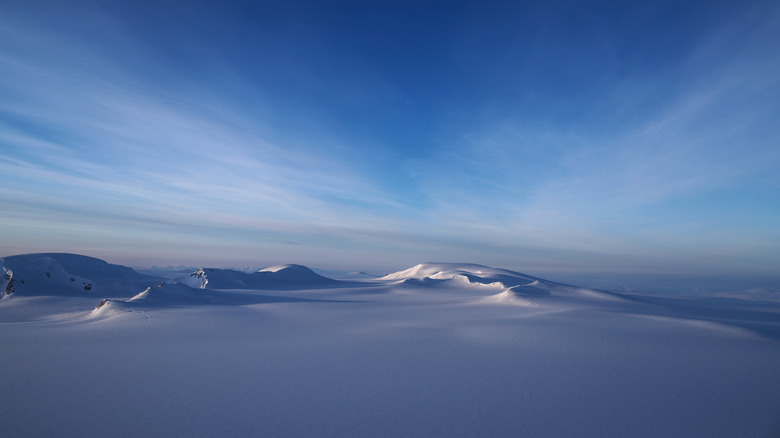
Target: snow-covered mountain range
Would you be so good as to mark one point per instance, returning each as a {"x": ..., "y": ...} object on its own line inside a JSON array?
[
  {"x": 68, "y": 274},
  {"x": 77, "y": 275},
  {"x": 439, "y": 349}
]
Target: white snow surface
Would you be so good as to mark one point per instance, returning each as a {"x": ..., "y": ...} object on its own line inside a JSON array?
[
  {"x": 510, "y": 286},
  {"x": 435, "y": 350},
  {"x": 274, "y": 278},
  {"x": 446, "y": 271},
  {"x": 71, "y": 274},
  {"x": 278, "y": 268}
]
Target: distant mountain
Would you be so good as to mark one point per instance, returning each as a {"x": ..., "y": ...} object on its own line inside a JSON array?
[
  {"x": 78, "y": 275},
  {"x": 469, "y": 272},
  {"x": 68, "y": 274},
  {"x": 510, "y": 286},
  {"x": 282, "y": 277}
]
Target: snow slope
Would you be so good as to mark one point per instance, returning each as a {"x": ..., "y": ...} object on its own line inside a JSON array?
[
  {"x": 282, "y": 277},
  {"x": 427, "y": 359},
  {"x": 505, "y": 286},
  {"x": 70, "y": 274}
]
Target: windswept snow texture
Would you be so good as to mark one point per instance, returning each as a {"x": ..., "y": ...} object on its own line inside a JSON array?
[
  {"x": 435, "y": 350},
  {"x": 510, "y": 286}
]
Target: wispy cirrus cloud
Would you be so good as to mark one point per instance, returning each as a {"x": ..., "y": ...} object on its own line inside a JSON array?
[
  {"x": 141, "y": 133},
  {"x": 102, "y": 142},
  {"x": 642, "y": 175}
]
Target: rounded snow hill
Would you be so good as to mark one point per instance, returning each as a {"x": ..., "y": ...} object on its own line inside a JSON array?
[
  {"x": 295, "y": 273},
  {"x": 469, "y": 272},
  {"x": 68, "y": 274},
  {"x": 159, "y": 296},
  {"x": 510, "y": 286},
  {"x": 281, "y": 277}
]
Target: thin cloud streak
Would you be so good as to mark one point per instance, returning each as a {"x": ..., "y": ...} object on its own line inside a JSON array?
[
  {"x": 581, "y": 189},
  {"x": 137, "y": 143}
]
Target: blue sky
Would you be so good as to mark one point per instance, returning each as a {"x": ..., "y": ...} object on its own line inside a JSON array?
[{"x": 538, "y": 136}]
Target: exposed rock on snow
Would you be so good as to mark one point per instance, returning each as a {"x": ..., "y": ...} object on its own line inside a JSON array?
[
  {"x": 198, "y": 279},
  {"x": 8, "y": 279}
]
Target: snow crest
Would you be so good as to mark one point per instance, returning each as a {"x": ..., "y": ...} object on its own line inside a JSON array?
[
  {"x": 68, "y": 274},
  {"x": 512, "y": 287},
  {"x": 280, "y": 277},
  {"x": 464, "y": 273}
]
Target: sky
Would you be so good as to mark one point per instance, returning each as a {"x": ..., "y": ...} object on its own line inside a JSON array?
[{"x": 537, "y": 136}]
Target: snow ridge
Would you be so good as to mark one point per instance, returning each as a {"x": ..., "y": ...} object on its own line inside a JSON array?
[
  {"x": 468, "y": 273},
  {"x": 280, "y": 277},
  {"x": 68, "y": 274},
  {"x": 511, "y": 286}
]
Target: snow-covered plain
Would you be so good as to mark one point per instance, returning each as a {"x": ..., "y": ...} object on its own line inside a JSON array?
[{"x": 435, "y": 350}]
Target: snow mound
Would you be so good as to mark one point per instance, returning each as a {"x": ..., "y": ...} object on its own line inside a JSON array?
[
  {"x": 104, "y": 309},
  {"x": 67, "y": 274},
  {"x": 464, "y": 273},
  {"x": 512, "y": 287},
  {"x": 281, "y": 277},
  {"x": 297, "y": 273}
]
